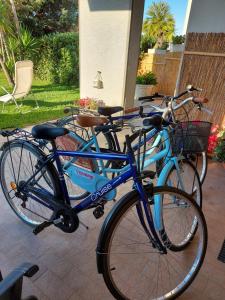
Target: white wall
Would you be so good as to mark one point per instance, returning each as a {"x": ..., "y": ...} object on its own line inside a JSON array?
[
  {"x": 104, "y": 36},
  {"x": 206, "y": 16}
]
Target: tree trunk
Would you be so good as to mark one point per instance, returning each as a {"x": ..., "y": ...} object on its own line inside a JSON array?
[
  {"x": 2, "y": 47},
  {"x": 6, "y": 72},
  {"x": 16, "y": 20}
]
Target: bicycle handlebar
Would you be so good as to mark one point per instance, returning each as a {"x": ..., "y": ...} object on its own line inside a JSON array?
[
  {"x": 189, "y": 89},
  {"x": 150, "y": 98}
]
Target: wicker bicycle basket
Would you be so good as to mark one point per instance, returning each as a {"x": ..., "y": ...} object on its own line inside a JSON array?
[{"x": 190, "y": 137}]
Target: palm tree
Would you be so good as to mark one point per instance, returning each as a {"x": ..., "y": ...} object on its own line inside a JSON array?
[
  {"x": 160, "y": 23},
  {"x": 15, "y": 17}
]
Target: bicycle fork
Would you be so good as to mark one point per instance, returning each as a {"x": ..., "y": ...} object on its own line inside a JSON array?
[{"x": 149, "y": 228}]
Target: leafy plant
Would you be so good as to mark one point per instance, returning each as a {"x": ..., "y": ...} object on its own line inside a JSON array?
[
  {"x": 146, "y": 78},
  {"x": 178, "y": 39},
  {"x": 147, "y": 42},
  {"x": 24, "y": 46},
  {"x": 220, "y": 147},
  {"x": 66, "y": 67},
  {"x": 58, "y": 58}
]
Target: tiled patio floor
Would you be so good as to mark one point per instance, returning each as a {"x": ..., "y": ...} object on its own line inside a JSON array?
[{"x": 67, "y": 261}]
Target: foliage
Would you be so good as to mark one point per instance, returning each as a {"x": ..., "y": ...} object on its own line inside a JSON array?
[
  {"x": 146, "y": 78},
  {"x": 220, "y": 147},
  {"x": 43, "y": 16},
  {"x": 5, "y": 23},
  {"x": 21, "y": 47},
  {"x": 147, "y": 42},
  {"x": 58, "y": 61},
  {"x": 14, "y": 45},
  {"x": 160, "y": 23},
  {"x": 178, "y": 39},
  {"x": 164, "y": 46},
  {"x": 213, "y": 139},
  {"x": 51, "y": 98}
]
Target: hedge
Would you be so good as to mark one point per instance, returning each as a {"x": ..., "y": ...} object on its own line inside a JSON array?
[{"x": 58, "y": 59}]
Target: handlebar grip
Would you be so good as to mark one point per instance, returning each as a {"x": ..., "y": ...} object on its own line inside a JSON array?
[
  {"x": 150, "y": 98},
  {"x": 200, "y": 100},
  {"x": 198, "y": 89},
  {"x": 67, "y": 110},
  {"x": 71, "y": 109},
  {"x": 131, "y": 109}
]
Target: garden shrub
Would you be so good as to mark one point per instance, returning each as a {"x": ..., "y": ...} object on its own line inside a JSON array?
[{"x": 58, "y": 59}]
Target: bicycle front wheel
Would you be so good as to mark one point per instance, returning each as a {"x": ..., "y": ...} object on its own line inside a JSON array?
[{"x": 132, "y": 267}]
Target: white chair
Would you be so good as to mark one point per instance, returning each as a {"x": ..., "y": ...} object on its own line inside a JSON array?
[{"x": 23, "y": 83}]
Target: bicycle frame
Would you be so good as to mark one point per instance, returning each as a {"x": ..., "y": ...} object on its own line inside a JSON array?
[
  {"x": 47, "y": 199},
  {"x": 166, "y": 153},
  {"x": 128, "y": 117}
]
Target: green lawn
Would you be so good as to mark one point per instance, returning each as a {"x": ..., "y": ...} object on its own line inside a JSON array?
[{"x": 51, "y": 98}]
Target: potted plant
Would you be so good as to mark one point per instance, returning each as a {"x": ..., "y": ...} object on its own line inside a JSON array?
[
  {"x": 219, "y": 150},
  {"x": 177, "y": 44},
  {"x": 144, "y": 84}
]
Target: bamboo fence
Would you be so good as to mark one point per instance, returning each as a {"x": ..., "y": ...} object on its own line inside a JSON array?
[
  {"x": 204, "y": 66},
  {"x": 165, "y": 67}
]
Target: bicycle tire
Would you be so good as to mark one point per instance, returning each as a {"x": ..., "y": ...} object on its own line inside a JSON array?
[
  {"x": 191, "y": 181},
  {"x": 201, "y": 165},
  {"x": 195, "y": 191},
  {"x": 10, "y": 152},
  {"x": 202, "y": 171},
  {"x": 129, "y": 285}
]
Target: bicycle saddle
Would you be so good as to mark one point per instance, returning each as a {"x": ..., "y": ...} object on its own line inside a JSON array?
[
  {"x": 90, "y": 121},
  {"x": 48, "y": 132},
  {"x": 155, "y": 121},
  {"x": 109, "y": 110}
]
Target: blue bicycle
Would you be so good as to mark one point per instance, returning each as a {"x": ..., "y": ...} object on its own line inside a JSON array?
[{"x": 152, "y": 243}]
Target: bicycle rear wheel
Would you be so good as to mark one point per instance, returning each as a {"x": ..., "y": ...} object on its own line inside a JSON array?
[
  {"x": 132, "y": 267},
  {"x": 18, "y": 163},
  {"x": 200, "y": 161}
]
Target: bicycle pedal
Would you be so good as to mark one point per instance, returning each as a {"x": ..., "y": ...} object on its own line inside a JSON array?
[
  {"x": 41, "y": 227},
  {"x": 221, "y": 255},
  {"x": 98, "y": 212},
  {"x": 148, "y": 174}
]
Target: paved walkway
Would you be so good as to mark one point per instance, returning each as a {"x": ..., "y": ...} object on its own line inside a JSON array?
[{"x": 67, "y": 261}]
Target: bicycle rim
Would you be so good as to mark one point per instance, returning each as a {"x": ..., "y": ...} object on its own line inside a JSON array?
[
  {"x": 134, "y": 269},
  {"x": 18, "y": 163}
]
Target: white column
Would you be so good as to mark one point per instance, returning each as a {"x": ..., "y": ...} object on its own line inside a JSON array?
[
  {"x": 103, "y": 36},
  {"x": 109, "y": 42}
]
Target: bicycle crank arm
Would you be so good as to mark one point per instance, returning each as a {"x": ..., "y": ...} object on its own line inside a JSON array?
[{"x": 45, "y": 224}]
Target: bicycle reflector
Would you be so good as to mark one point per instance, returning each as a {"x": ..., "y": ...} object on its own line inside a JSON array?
[{"x": 13, "y": 185}]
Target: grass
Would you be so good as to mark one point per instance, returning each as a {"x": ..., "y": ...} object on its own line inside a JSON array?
[{"x": 52, "y": 98}]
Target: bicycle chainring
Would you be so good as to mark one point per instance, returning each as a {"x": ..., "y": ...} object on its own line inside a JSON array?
[{"x": 69, "y": 220}]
